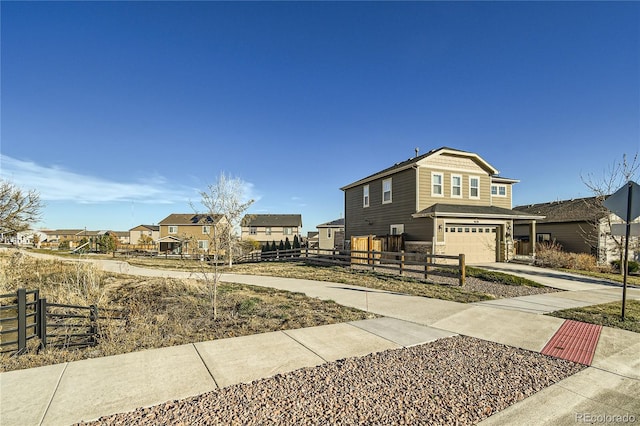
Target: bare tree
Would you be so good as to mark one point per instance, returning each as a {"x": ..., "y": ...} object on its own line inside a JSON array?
[
  {"x": 18, "y": 209},
  {"x": 224, "y": 205},
  {"x": 225, "y": 198},
  {"x": 613, "y": 178}
]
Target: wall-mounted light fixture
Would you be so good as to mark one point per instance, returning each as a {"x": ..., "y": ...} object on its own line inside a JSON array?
[{"x": 440, "y": 227}]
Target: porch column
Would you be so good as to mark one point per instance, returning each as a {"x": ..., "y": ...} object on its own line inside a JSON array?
[{"x": 532, "y": 237}]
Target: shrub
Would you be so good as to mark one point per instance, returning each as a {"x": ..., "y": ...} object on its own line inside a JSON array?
[
  {"x": 633, "y": 266},
  {"x": 551, "y": 255}
]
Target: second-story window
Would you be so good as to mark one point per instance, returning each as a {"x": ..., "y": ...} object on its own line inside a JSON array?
[
  {"x": 267, "y": 230},
  {"x": 436, "y": 185},
  {"x": 328, "y": 232},
  {"x": 499, "y": 190},
  {"x": 206, "y": 229},
  {"x": 253, "y": 230},
  {"x": 286, "y": 231},
  {"x": 474, "y": 187},
  {"x": 173, "y": 229},
  {"x": 386, "y": 191},
  {"x": 456, "y": 186},
  {"x": 365, "y": 196}
]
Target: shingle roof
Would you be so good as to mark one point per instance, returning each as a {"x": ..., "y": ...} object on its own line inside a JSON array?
[
  {"x": 189, "y": 219},
  {"x": 575, "y": 210},
  {"x": 334, "y": 223},
  {"x": 411, "y": 161},
  {"x": 272, "y": 220},
  {"x": 462, "y": 210}
]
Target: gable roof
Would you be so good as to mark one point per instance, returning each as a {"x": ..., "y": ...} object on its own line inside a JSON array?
[
  {"x": 272, "y": 220},
  {"x": 465, "y": 211},
  {"x": 338, "y": 223},
  {"x": 574, "y": 210},
  {"x": 189, "y": 219},
  {"x": 412, "y": 162},
  {"x": 149, "y": 227}
]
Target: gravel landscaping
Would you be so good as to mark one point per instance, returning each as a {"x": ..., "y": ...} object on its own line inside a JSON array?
[{"x": 457, "y": 380}]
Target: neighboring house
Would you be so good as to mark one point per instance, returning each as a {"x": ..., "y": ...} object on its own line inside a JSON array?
[
  {"x": 580, "y": 225},
  {"x": 313, "y": 238},
  {"x": 266, "y": 228},
  {"x": 446, "y": 201},
  {"x": 331, "y": 235},
  {"x": 143, "y": 232},
  {"x": 188, "y": 233}
]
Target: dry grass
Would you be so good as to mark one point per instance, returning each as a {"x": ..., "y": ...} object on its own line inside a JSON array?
[
  {"x": 607, "y": 314},
  {"x": 159, "y": 312}
]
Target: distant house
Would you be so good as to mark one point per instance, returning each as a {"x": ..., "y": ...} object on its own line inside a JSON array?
[
  {"x": 446, "y": 201},
  {"x": 188, "y": 233},
  {"x": 331, "y": 235},
  {"x": 142, "y": 233},
  {"x": 312, "y": 240},
  {"x": 271, "y": 227},
  {"x": 580, "y": 225}
]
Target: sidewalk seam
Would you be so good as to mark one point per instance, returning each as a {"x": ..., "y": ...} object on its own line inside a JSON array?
[
  {"x": 206, "y": 366},
  {"x": 304, "y": 346},
  {"x": 44, "y": 415}
]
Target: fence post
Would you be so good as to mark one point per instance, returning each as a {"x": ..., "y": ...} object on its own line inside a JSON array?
[
  {"x": 22, "y": 319},
  {"x": 93, "y": 317},
  {"x": 426, "y": 267},
  {"x": 463, "y": 271},
  {"x": 401, "y": 262},
  {"x": 42, "y": 321}
]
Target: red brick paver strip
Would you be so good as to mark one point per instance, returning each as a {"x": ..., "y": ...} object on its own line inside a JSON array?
[{"x": 574, "y": 341}]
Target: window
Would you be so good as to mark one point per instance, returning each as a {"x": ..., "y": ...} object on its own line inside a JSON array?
[
  {"x": 543, "y": 237},
  {"x": 203, "y": 244},
  {"x": 474, "y": 187},
  {"x": 499, "y": 190},
  {"x": 397, "y": 229},
  {"x": 286, "y": 231},
  {"x": 365, "y": 196},
  {"x": 267, "y": 230},
  {"x": 328, "y": 232},
  {"x": 436, "y": 185},
  {"x": 456, "y": 186},
  {"x": 173, "y": 229},
  {"x": 386, "y": 191},
  {"x": 206, "y": 229},
  {"x": 253, "y": 230}
]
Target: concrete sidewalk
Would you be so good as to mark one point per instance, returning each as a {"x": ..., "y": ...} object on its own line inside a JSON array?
[{"x": 84, "y": 390}]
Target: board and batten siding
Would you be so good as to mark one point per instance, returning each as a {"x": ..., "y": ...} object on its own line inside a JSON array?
[{"x": 378, "y": 217}]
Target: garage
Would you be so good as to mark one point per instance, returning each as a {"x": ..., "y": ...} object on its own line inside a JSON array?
[{"x": 477, "y": 242}]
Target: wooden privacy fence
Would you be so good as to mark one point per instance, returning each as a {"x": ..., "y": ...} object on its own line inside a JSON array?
[
  {"x": 27, "y": 317},
  {"x": 387, "y": 261}
]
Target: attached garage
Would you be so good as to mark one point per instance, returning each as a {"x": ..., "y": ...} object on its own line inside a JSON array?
[{"x": 477, "y": 242}]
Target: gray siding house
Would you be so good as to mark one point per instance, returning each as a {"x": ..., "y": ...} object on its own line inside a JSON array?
[{"x": 446, "y": 201}]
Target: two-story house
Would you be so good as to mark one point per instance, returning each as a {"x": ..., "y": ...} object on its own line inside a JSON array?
[
  {"x": 266, "y": 228},
  {"x": 331, "y": 235},
  {"x": 446, "y": 201},
  {"x": 144, "y": 234},
  {"x": 189, "y": 233}
]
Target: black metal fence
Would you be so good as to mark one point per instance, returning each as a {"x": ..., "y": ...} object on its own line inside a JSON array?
[
  {"x": 418, "y": 264},
  {"x": 26, "y": 317}
]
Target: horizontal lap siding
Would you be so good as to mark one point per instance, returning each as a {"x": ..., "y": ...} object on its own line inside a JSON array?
[
  {"x": 426, "y": 200},
  {"x": 380, "y": 215}
]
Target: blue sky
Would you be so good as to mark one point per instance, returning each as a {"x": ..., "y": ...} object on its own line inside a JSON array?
[{"x": 119, "y": 113}]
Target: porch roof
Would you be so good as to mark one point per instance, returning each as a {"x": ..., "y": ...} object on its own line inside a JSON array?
[
  {"x": 169, "y": 239},
  {"x": 468, "y": 211}
]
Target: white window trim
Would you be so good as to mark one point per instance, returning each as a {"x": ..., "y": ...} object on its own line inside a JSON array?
[
  {"x": 172, "y": 229},
  {"x": 328, "y": 232},
  {"x": 206, "y": 229},
  {"x": 253, "y": 230},
  {"x": 267, "y": 230},
  {"x": 441, "y": 194},
  {"x": 390, "y": 200},
  {"x": 365, "y": 196},
  {"x": 452, "y": 186},
  {"x": 475, "y": 197},
  {"x": 203, "y": 244},
  {"x": 498, "y": 186}
]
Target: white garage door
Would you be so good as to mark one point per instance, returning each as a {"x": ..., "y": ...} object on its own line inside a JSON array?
[{"x": 478, "y": 243}]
